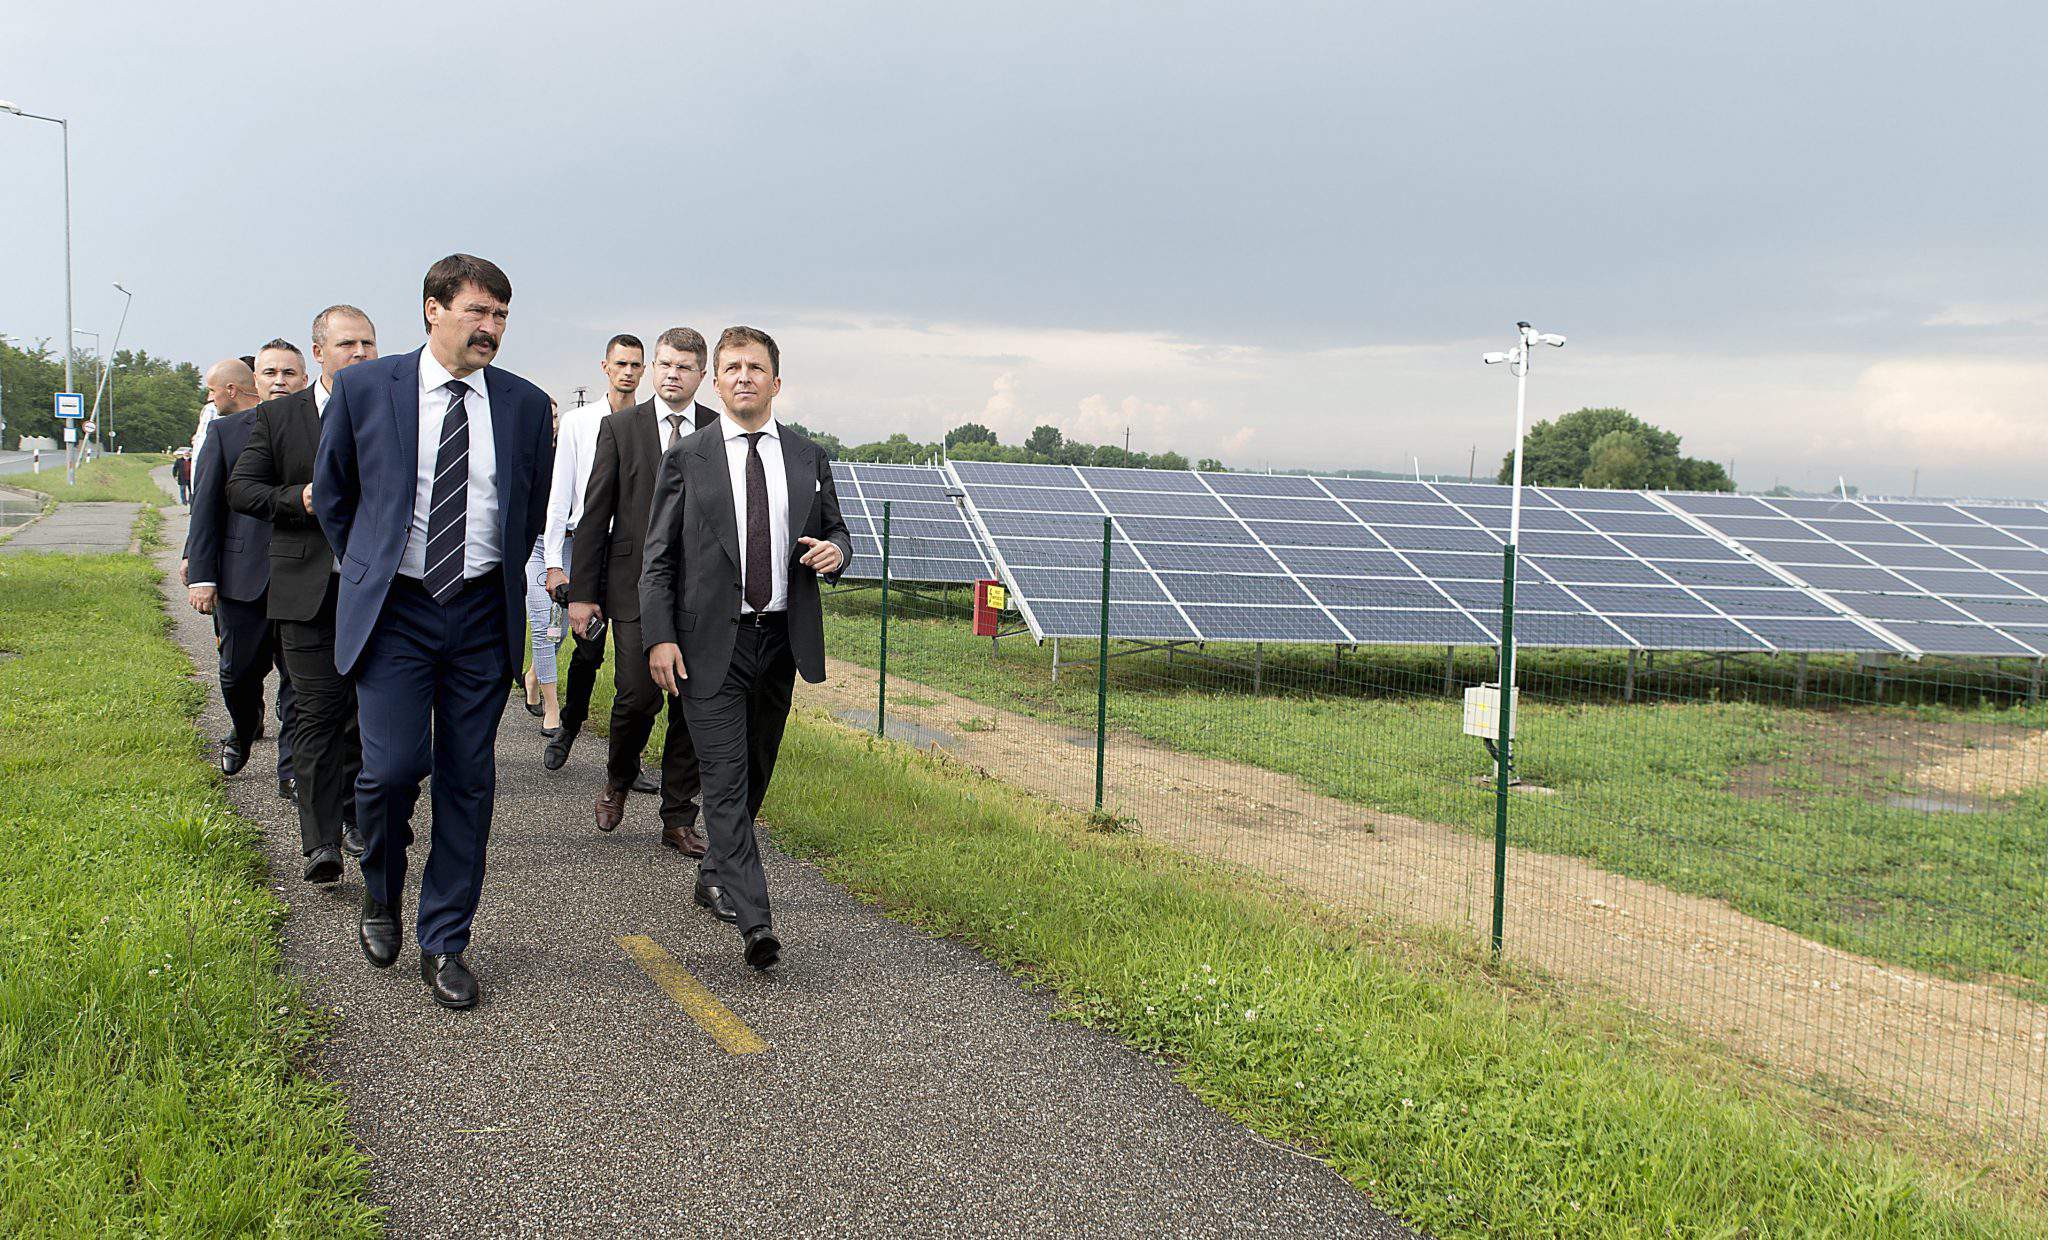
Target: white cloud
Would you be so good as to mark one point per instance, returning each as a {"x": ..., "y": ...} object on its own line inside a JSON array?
[
  {"x": 1971, "y": 424},
  {"x": 1990, "y": 314}
]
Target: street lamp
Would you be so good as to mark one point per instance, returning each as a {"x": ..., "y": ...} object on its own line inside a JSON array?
[
  {"x": 1517, "y": 360},
  {"x": 100, "y": 432},
  {"x": 65, "y": 126}
]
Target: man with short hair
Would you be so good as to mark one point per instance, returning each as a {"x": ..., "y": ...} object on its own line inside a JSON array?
[
  {"x": 280, "y": 370},
  {"x": 273, "y": 482},
  {"x": 625, "y": 360},
  {"x": 431, "y": 484},
  {"x": 227, "y": 575},
  {"x": 604, "y": 580},
  {"x": 745, "y": 522}
]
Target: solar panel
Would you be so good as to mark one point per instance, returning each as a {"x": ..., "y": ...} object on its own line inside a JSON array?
[
  {"x": 1291, "y": 557},
  {"x": 929, "y": 538},
  {"x": 1912, "y": 567}
]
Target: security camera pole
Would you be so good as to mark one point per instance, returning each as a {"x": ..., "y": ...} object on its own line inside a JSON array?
[{"x": 1517, "y": 359}]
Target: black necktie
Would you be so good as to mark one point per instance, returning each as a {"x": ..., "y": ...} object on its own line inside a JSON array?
[
  {"x": 760, "y": 581},
  {"x": 448, "y": 504}
]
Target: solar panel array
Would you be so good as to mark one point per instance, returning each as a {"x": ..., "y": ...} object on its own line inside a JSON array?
[
  {"x": 929, "y": 538},
  {"x": 1961, "y": 579},
  {"x": 1261, "y": 557}
]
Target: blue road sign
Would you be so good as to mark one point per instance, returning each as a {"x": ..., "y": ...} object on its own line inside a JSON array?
[{"x": 70, "y": 404}]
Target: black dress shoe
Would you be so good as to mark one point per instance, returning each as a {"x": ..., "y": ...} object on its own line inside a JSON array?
[
  {"x": 644, "y": 783},
  {"x": 352, "y": 841},
  {"x": 288, "y": 790},
  {"x": 324, "y": 866},
  {"x": 713, "y": 898},
  {"x": 379, "y": 933},
  {"x": 557, "y": 751},
  {"x": 234, "y": 754},
  {"x": 449, "y": 980},
  {"x": 764, "y": 950}
]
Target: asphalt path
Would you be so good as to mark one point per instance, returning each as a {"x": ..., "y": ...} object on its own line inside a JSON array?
[{"x": 908, "y": 1087}]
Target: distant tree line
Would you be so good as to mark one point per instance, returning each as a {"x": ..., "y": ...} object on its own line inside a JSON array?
[
  {"x": 155, "y": 401},
  {"x": 1614, "y": 449},
  {"x": 971, "y": 441}
]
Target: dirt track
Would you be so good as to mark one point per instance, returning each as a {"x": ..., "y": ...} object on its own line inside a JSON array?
[{"x": 1972, "y": 1054}]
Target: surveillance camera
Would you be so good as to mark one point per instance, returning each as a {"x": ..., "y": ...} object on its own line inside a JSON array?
[
  {"x": 1495, "y": 359},
  {"x": 1550, "y": 338}
]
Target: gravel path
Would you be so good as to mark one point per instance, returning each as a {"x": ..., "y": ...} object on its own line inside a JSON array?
[{"x": 910, "y": 1088}]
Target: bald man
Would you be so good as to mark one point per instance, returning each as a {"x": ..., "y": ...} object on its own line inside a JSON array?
[{"x": 227, "y": 576}]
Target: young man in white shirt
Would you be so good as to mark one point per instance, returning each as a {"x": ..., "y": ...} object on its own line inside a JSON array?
[{"x": 625, "y": 362}]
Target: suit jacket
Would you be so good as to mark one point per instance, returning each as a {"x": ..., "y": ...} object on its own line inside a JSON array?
[
  {"x": 268, "y": 480},
  {"x": 613, "y": 531},
  {"x": 690, "y": 583},
  {"x": 365, "y": 476},
  {"x": 225, "y": 547}
]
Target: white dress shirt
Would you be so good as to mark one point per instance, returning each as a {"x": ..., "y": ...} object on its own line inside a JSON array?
[
  {"x": 480, "y": 550},
  {"x": 575, "y": 453},
  {"x": 778, "y": 505},
  {"x": 207, "y": 413},
  {"x": 669, "y": 434},
  {"x": 321, "y": 394}
]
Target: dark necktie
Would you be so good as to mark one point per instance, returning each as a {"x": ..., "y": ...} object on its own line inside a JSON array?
[
  {"x": 760, "y": 581},
  {"x": 448, "y": 505},
  {"x": 675, "y": 428}
]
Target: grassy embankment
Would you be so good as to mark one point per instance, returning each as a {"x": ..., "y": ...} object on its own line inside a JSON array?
[
  {"x": 147, "y": 1040},
  {"x": 1783, "y": 813},
  {"x": 1468, "y": 1106},
  {"x": 124, "y": 478}
]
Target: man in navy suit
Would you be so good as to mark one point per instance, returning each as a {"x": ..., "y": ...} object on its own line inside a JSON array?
[
  {"x": 431, "y": 484},
  {"x": 227, "y": 576}
]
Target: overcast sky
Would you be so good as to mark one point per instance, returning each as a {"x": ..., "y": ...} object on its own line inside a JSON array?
[{"x": 1807, "y": 237}]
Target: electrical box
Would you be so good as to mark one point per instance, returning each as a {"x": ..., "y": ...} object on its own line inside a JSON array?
[
  {"x": 990, "y": 598},
  {"x": 1482, "y": 712}
]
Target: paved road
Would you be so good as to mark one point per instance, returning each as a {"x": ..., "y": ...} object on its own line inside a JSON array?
[
  {"x": 79, "y": 529},
  {"x": 909, "y": 1088}
]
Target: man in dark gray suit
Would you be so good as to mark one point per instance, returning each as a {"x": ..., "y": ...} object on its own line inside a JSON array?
[
  {"x": 273, "y": 482},
  {"x": 604, "y": 580},
  {"x": 745, "y": 522}
]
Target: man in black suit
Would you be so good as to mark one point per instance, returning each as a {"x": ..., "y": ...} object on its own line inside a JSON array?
[
  {"x": 273, "y": 481},
  {"x": 227, "y": 574},
  {"x": 431, "y": 483},
  {"x": 604, "y": 580},
  {"x": 745, "y": 521}
]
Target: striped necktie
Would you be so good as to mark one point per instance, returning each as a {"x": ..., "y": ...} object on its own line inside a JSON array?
[{"x": 448, "y": 506}]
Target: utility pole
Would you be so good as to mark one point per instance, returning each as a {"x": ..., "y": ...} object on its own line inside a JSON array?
[
  {"x": 1916, "y": 482},
  {"x": 1127, "y": 445},
  {"x": 1472, "y": 465},
  {"x": 580, "y": 402}
]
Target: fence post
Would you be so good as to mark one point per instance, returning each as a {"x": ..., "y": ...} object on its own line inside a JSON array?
[
  {"x": 882, "y": 677},
  {"x": 1102, "y": 672},
  {"x": 1503, "y": 763}
]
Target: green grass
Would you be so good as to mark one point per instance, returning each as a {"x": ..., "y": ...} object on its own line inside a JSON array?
[
  {"x": 1465, "y": 1106},
  {"x": 148, "y": 1043},
  {"x": 123, "y": 478},
  {"x": 1653, "y": 790}
]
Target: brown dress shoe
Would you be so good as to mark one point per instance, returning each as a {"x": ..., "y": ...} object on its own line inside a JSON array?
[
  {"x": 686, "y": 840},
  {"x": 611, "y": 806}
]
